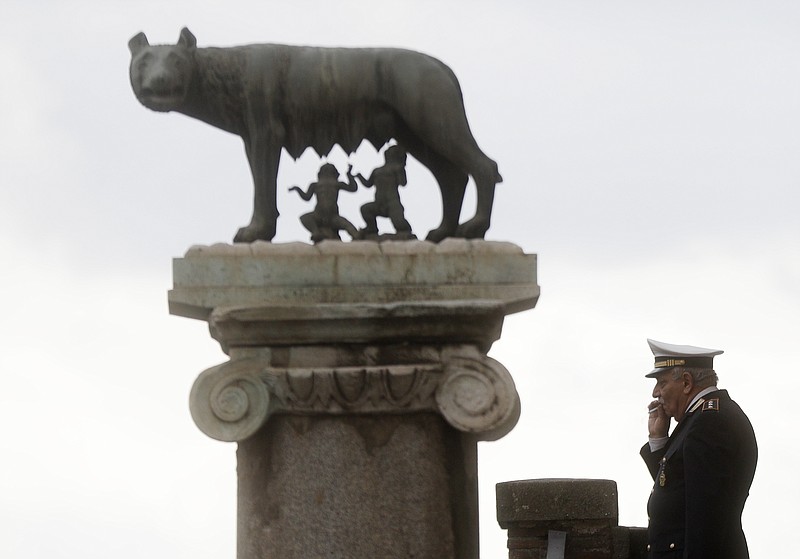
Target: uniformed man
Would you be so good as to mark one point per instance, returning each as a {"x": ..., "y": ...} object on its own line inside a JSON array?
[{"x": 703, "y": 470}]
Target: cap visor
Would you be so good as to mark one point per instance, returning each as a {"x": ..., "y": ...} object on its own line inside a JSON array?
[{"x": 655, "y": 372}]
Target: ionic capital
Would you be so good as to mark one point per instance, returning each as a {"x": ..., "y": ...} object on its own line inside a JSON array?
[{"x": 474, "y": 394}]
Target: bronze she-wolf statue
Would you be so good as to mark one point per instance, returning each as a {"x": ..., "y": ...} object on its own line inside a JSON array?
[{"x": 279, "y": 96}]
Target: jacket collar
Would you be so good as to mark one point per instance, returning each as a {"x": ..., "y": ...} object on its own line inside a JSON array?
[{"x": 696, "y": 401}]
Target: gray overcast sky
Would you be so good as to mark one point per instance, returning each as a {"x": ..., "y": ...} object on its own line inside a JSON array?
[{"x": 649, "y": 151}]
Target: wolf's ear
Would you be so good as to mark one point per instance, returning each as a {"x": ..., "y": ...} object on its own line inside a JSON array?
[
  {"x": 138, "y": 42},
  {"x": 187, "y": 39}
]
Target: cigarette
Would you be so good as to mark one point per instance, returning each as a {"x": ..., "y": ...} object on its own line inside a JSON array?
[{"x": 654, "y": 410}]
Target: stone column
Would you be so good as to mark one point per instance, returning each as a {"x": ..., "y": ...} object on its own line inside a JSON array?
[{"x": 357, "y": 388}]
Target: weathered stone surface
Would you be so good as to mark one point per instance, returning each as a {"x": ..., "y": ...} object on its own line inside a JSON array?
[
  {"x": 637, "y": 543},
  {"x": 479, "y": 323},
  {"x": 473, "y": 393},
  {"x": 350, "y": 487},
  {"x": 542, "y": 500},
  {"x": 264, "y": 274}
]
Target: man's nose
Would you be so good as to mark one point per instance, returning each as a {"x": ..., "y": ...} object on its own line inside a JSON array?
[{"x": 655, "y": 392}]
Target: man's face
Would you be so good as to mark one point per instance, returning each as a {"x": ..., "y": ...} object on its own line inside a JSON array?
[{"x": 671, "y": 394}]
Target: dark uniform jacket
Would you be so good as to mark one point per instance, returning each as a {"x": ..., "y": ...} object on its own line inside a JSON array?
[{"x": 702, "y": 479}]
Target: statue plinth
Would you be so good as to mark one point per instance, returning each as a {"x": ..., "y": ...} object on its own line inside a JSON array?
[{"x": 357, "y": 388}]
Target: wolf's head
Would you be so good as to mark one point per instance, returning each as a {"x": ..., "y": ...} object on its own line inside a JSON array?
[{"x": 161, "y": 74}]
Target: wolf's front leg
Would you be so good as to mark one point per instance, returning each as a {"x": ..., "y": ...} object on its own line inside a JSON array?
[{"x": 264, "y": 159}]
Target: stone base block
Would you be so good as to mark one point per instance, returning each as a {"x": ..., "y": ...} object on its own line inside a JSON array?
[
  {"x": 582, "y": 510},
  {"x": 364, "y": 272}
]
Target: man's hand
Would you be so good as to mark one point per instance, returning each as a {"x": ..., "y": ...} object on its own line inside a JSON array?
[{"x": 657, "y": 420}]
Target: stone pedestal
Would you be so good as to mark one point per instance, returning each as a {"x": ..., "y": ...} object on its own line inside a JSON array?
[
  {"x": 357, "y": 388},
  {"x": 577, "y": 516}
]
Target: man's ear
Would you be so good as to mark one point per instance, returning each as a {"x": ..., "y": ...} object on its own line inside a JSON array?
[{"x": 688, "y": 382}]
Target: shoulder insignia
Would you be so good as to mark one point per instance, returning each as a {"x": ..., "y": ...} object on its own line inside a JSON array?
[{"x": 711, "y": 405}]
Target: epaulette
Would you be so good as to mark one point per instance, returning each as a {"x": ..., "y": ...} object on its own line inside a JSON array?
[{"x": 711, "y": 405}]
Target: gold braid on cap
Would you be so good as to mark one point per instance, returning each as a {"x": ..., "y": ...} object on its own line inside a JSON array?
[{"x": 670, "y": 363}]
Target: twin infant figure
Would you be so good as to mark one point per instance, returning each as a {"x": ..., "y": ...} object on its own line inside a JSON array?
[{"x": 325, "y": 222}]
